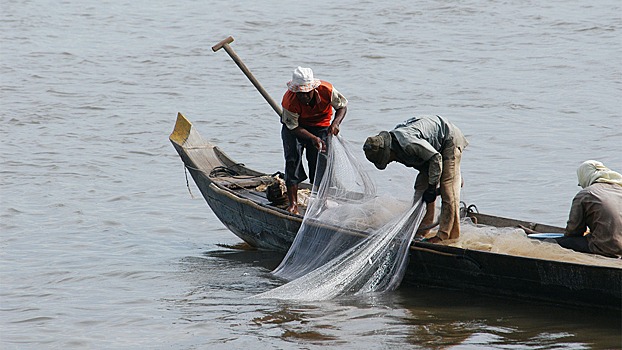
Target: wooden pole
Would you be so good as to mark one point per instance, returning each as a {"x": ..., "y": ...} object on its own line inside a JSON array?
[{"x": 224, "y": 44}]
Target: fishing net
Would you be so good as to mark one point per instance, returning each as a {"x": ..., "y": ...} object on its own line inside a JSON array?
[
  {"x": 352, "y": 240},
  {"x": 514, "y": 241}
]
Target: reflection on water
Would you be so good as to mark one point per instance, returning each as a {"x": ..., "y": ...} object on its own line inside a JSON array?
[{"x": 412, "y": 316}]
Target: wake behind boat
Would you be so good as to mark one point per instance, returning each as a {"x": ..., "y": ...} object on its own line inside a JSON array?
[{"x": 238, "y": 197}]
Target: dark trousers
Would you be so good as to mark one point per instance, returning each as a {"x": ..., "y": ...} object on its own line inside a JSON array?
[
  {"x": 293, "y": 149},
  {"x": 578, "y": 244}
]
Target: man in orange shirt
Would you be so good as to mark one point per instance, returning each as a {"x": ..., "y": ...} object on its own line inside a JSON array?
[{"x": 307, "y": 113}]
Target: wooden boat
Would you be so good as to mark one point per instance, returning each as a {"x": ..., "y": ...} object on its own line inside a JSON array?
[{"x": 231, "y": 191}]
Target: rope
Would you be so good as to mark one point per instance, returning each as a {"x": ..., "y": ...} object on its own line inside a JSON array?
[
  {"x": 222, "y": 171},
  {"x": 472, "y": 209},
  {"x": 187, "y": 182},
  {"x": 428, "y": 250}
]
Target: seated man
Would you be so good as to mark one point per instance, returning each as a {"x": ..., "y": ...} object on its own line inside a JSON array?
[{"x": 598, "y": 207}]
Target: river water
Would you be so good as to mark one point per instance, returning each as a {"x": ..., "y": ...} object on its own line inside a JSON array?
[{"x": 102, "y": 246}]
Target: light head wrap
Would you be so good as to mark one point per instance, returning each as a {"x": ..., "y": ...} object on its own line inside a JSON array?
[{"x": 592, "y": 171}]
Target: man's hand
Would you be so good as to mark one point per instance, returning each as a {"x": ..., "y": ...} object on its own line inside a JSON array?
[
  {"x": 429, "y": 196},
  {"x": 333, "y": 129},
  {"x": 319, "y": 144}
]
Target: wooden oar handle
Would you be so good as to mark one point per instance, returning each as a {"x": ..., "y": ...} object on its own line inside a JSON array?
[
  {"x": 225, "y": 44},
  {"x": 219, "y": 46}
]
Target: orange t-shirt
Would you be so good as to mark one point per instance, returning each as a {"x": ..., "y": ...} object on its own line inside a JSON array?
[{"x": 318, "y": 115}]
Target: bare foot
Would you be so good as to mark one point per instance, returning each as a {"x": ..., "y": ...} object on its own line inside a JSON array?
[
  {"x": 434, "y": 239},
  {"x": 293, "y": 209}
]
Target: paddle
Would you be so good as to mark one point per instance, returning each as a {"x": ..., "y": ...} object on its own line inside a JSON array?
[{"x": 224, "y": 44}]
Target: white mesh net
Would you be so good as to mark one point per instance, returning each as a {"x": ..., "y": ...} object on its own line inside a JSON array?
[{"x": 351, "y": 241}]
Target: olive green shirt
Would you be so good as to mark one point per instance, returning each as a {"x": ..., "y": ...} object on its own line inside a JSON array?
[{"x": 423, "y": 142}]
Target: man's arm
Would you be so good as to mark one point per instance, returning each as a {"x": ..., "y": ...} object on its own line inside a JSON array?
[
  {"x": 305, "y": 134},
  {"x": 339, "y": 103},
  {"x": 576, "y": 225},
  {"x": 339, "y": 115},
  {"x": 435, "y": 168},
  {"x": 290, "y": 120}
]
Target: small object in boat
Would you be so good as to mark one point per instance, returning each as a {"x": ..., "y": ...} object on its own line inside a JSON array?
[
  {"x": 545, "y": 235},
  {"x": 276, "y": 191}
]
